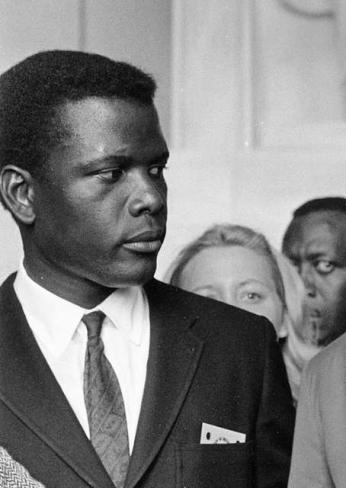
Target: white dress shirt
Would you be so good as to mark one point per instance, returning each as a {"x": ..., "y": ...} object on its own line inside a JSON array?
[{"x": 62, "y": 338}]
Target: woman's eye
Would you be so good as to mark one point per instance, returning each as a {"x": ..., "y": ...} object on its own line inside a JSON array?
[
  {"x": 324, "y": 266},
  {"x": 250, "y": 297}
]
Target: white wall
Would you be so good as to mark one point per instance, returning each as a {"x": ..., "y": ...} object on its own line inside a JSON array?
[{"x": 258, "y": 116}]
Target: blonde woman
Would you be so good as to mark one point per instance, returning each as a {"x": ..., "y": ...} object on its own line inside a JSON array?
[{"x": 236, "y": 265}]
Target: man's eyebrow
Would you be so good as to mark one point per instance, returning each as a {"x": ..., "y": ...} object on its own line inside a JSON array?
[
  {"x": 112, "y": 158},
  {"x": 317, "y": 254},
  {"x": 119, "y": 159},
  {"x": 158, "y": 159}
]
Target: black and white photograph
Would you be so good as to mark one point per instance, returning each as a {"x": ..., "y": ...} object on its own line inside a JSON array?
[{"x": 172, "y": 243}]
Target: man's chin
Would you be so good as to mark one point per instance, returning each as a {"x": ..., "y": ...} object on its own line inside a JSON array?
[
  {"x": 314, "y": 331},
  {"x": 319, "y": 333},
  {"x": 134, "y": 276}
]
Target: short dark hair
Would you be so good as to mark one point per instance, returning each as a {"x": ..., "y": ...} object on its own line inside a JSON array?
[
  {"x": 32, "y": 90},
  {"x": 321, "y": 205},
  {"x": 326, "y": 204}
]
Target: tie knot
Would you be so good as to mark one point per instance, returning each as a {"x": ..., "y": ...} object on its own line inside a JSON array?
[{"x": 93, "y": 322}]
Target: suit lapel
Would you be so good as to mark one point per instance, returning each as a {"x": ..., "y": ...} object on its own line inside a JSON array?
[
  {"x": 33, "y": 394},
  {"x": 173, "y": 359}
]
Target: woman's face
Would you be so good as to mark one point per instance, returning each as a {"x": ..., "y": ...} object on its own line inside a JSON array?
[{"x": 237, "y": 276}]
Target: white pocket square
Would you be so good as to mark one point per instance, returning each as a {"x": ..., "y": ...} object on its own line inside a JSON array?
[
  {"x": 212, "y": 434},
  {"x": 13, "y": 474}
]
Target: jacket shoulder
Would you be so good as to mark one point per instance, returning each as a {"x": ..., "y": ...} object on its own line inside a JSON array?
[
  {"x": 331, "y": 358},
  {"x": 219, "y": 317}
]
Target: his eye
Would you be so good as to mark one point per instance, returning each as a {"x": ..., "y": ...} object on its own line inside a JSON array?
[
  {"x": 157, "y": 171},
  {"x": 111, "y": 175},
  {"x": 324, "y": 266},
  {"x": 295, "y": 262}
]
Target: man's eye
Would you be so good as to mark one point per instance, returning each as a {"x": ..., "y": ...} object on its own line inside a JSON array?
[
  {"x": 295, "y": 262},
  {"x": 111, "y": 175},
  {"x": 157, "y": 171},
  {"x": 324, "y": 266}
]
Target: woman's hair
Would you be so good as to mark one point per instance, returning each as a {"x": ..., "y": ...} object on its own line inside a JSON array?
[{"x": 223, "y": 235}]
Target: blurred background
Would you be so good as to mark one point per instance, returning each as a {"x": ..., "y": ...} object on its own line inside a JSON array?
[{"x": 251, "y": 96}]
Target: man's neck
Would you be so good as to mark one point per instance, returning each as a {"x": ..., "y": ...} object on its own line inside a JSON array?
[{"x": 82, "y": 292}]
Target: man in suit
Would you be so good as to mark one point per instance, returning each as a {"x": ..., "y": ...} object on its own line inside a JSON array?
[
  {"x": 315, "y": 242},
  {"x": 108, "y": 377}
]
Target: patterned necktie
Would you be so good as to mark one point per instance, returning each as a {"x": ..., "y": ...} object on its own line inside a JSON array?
[{"x": 104, "y": 404}]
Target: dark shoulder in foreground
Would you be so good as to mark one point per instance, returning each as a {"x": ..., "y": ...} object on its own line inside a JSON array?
[{"x": 219, "y": 317}]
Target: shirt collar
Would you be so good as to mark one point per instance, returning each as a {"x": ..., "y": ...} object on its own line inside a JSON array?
[{"x": 54, "y": 320}]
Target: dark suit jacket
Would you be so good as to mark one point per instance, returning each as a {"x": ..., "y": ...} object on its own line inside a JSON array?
[{"x": 208, "y": 362}]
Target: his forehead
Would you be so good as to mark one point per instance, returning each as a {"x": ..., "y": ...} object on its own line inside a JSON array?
[
  {"x": 97, "y": 108},
  {"x": 88, "y": 120},
  {"x": 332, "y": 221},
  {"x": 321, "y": 227}
]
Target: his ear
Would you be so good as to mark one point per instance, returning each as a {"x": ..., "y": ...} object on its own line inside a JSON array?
[{"x": 16, "y": 187}]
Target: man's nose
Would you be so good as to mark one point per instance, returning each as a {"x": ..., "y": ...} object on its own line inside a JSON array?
[
  {"x": 147, "y": 196},
  {"x": 307, "y": 273}
]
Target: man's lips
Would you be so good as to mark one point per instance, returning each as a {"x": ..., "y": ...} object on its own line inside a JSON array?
[
  {"x": 314, "y": 317},
  {"x": 146, "y": 242},
  {"x": 314, "y": 313}
]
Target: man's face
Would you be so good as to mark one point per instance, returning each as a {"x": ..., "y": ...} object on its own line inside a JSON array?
[
  {"x": 316, "y": 245},
  {"x": 101, "y": 206}
]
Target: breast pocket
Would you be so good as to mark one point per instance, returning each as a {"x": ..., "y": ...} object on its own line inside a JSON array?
[{"x": 215, "y": 465}]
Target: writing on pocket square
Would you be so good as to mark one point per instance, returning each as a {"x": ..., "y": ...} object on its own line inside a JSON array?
[{"x": 212, "y": 434}]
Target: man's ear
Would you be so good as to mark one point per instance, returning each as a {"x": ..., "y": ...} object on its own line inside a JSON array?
[{"x": 16, "y": 187}]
